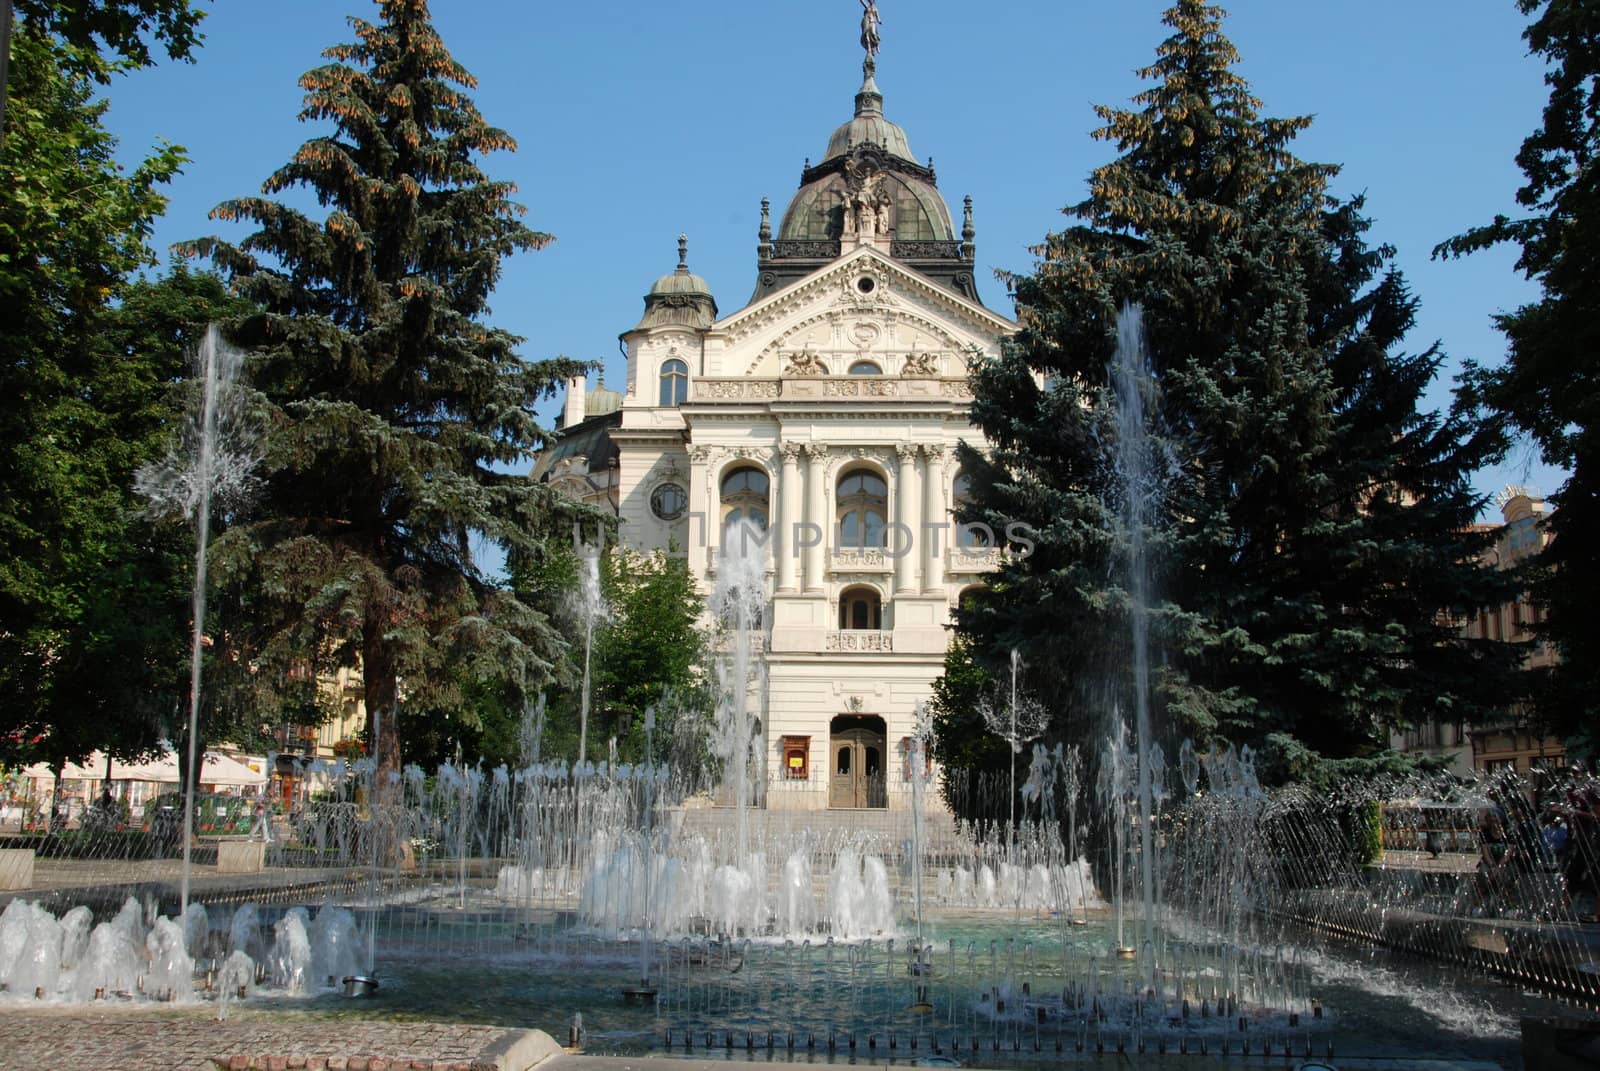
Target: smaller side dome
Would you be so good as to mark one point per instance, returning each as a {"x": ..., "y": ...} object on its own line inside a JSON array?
[
  {"x": 602, "y": 400},
  {"x": 679, "y": 299}
]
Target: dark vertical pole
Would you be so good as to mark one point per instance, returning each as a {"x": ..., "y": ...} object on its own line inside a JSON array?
[{"x": 5, "y": 60}]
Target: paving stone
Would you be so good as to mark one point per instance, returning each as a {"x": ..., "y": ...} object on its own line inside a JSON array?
[{"x": 190, "y": 1038}]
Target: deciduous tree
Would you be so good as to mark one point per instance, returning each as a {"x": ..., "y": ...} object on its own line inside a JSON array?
[{"x": 88, "y": 617}]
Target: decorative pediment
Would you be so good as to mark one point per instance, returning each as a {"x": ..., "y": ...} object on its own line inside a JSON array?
[{"x": 863, "y": 307}]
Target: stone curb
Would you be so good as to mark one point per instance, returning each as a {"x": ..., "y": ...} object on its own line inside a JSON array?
[
  {"x": 520, "y": 1050},
  {"x": 513, "y": 1050}
]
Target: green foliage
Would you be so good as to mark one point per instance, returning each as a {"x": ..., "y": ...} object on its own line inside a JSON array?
[
  {"x": 122, "y": 28},
  {"x": 1308, "y": 549},
  {"x": 91, "y": 610},
  {"x": 647, "y": 652},
  {"x": 1365, "y": 822},
  {"x": 1549, "y": 387},
  {"x": 651, "y": 646},
  {"x": 961, "y": 740},
  {"x": 396, "y": 412}
]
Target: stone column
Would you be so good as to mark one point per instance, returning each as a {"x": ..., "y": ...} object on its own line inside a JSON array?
[
  {"x": 702, "y": 509},
  {"x": 935, "y": 532},
  {"x": 789, "y": 492},
  {"x": 907, "y": 524},
  {"x": 816, "y": 504}
]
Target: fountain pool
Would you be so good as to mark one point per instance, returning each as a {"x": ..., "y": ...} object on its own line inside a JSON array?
[{"x": 994, "y": 984}]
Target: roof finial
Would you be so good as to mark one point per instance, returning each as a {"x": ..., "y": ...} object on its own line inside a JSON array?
[
  {"x": 869, "y": 102},
  {"x": 683, "y": 253},
  {"x": 869, "y": 35}
]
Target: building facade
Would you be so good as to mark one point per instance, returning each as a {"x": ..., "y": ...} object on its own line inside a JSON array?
[
  {"x": 814, "y": 426},
  {"x": 1507, "y": 744},
  {"x": 1511, "y": 744}
]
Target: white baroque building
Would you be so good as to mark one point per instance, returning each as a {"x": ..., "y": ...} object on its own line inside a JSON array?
[{"x": 825, "y": 411}]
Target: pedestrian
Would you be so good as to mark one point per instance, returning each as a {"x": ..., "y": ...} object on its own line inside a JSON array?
[
  {"x": 1583, "y": 851},
  {"x": 263, "y": 821}
]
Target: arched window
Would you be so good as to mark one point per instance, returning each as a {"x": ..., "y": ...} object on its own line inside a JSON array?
[
  {"x": 860, "y": 608},
  {"x": 744, "y": 498},
  {"x": 862, "y": 509},
  {"x": 967, "y": 534},
  {"x": 674, "y": 383},
  {"x": 865, "y": 368}
]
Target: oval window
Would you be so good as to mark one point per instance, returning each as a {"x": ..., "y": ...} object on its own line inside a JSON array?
[{"x": 668, "y": 501}]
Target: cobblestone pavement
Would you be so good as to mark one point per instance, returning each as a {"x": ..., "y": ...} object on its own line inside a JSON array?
[{"x": 71, "y": 1039}]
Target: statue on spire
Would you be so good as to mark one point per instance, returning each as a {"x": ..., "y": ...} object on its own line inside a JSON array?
[{"x": 869, "y": 31}]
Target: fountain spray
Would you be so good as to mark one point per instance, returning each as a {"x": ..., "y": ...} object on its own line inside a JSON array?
[
  {"x": 738, "y": 600},
  {"x": 211, "y": 462},
  {"x": 202, "y": 532},
  {"x": 592, "y": 610},
  {"x": 922, "y": 731},
  {"x": 1025, "y": 719},
  {"x": 365, "y": 985},
  {"x": 1129, "y": 372},
  {"x": 644, "y": 992}
]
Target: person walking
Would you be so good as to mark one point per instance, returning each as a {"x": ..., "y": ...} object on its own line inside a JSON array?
[{"x": 263, "y": 821}]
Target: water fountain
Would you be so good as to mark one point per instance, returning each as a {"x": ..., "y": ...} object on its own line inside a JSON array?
[
  {"x": 1240, "y": 869},
  {"x": 1223, "y": 931}
]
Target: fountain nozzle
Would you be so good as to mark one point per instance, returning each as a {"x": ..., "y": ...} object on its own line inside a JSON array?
[{"x": 359, "y": 985}]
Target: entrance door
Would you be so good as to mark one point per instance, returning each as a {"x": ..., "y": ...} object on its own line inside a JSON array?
[{"x": 856, "y": 769}]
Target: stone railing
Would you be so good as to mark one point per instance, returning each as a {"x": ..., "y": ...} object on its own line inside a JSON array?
[
  {"x": 865, "y": 560},
  {"x": 916, "y": 249},
  {"x": 829, "y": 388},
  {"x": 807, "y": 249},
  {"x": 857, "y": 639},
  {"x": 742, "y": 388},
  {"x": 725, "y": 642},
  {"x": 973, "y": 560}
]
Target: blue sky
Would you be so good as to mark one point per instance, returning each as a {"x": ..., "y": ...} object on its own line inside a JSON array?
[{"x": 640, "y": 120}]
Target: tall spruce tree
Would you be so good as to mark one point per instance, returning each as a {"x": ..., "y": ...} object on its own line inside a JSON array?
[
  {"x": 1309, "y": 546},
  {"x": 1548, "y": 389},
  {"x": 397, "y": 411}
]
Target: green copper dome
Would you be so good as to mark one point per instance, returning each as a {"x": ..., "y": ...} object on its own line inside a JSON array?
[
  {"x": 869, "y": 127},
  {"x": 601, "y": 401},
  {"x": 680, "y": 298},
  {"x": 868, "y": 148},
  {"x": 867, "y": 191}
]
